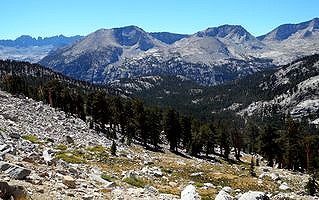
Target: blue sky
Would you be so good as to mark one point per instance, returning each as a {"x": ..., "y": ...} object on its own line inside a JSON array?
[{"x": 71, "y": 17}]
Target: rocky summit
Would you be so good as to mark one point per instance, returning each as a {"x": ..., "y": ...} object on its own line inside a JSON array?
[{"x": 48, "y": 154}]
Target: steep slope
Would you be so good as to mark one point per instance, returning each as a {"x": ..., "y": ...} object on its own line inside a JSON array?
[
  {"x": 290, "y": 41},
  {"x": 26, "y": 48},
  {"x": 294, "y": 88}
]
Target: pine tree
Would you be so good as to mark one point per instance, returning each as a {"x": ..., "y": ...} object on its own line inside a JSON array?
[
  {"x": 268, "y": 145},
  {"x": 140, "y": 121},
  {"x": 195, "y": 146},
  {"x": 291, "y": 145},
  {"x": 172, "y": 129},
  {"x": 186, "y": 131},
  {"x": 153, "y": 124},
  {"x": 206, "y": 138}
]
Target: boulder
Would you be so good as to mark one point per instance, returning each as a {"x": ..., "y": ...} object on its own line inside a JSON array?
[
  {"x": 47, "y": 156},
  {"x": 152, "y": 171},
  {"x": 69, "y": 181},
  {"x": 223, "y": 195},
  {"x": 284, "y": 186},
  {"x": 273, "y": 176},
  {"x": 196, "y": 174},
  {"x": 227, "y": 189},
  {"x": 69, "y": 139},
  {"x": 254, "y": 195},
  {"x": 209, "y": 185},
  {"x": 15, "y": 135},
  {"x": 189, "y": 193},
  {"x": 16, "y": 192},
  {"x": 14, "y": 171},
  {"x": 129, "y": 174}
]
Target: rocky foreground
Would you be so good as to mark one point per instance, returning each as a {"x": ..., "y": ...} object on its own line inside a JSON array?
[{"x": 46, "y": 154}]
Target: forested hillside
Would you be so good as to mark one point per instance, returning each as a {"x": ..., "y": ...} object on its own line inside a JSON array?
[{"x": 269, "y": 135}]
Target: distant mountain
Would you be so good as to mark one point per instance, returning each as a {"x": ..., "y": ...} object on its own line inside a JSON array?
[
  {"x": 27, "y": 48},
  {"x": 168, "y": 38},
  {"x": 27, "y": 41}
]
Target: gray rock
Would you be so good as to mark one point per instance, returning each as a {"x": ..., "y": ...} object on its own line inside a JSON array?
[
  {"x": 189, "y": 193},
  {"x": 14, "y": 171},
  {"x": 254, "y": 195}
]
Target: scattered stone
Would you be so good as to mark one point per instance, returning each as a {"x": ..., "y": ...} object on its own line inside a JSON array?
[
  {"x": 14, "y": 171},
  {"x": 189, "y": 193},
  {"x": 69, "y": 182},
  {"x": 254, "y": 195}
]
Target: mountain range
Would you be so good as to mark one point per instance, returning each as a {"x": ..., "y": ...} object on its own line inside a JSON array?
[
  {"x": 209, "y": 57},
  {"x": 27, "y": 48}
]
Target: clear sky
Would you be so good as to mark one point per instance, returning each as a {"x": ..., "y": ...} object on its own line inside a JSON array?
[{"x": 72, "y": 17}]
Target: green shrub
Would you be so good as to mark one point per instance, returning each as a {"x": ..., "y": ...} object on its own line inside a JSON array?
[
  {"x": 106, "y": 177},
  {"x": 31, "y": 138},
  {"x": 97, "y": 149},
  {"x": 62, "y": 147},
  {"x": 70, "y": 158},
  {"x": 135, "y": 182}
]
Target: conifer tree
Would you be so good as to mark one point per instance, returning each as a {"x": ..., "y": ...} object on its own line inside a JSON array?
[{"x": 172, "y": 129}]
